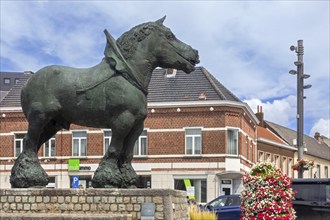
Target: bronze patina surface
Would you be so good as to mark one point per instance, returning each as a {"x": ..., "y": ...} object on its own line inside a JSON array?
[{"x": 112, "y": 94}]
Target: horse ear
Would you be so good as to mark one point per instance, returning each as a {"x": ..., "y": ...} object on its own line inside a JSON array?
[{"x": 160, "y": 21}]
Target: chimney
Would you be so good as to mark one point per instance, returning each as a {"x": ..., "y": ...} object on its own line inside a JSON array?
[
  {"x": 260, "y": 116},
  {"x": 317, "y": 136}
]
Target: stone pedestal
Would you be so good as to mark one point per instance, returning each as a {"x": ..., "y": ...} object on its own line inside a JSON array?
[{"x": 169, "y": 204}]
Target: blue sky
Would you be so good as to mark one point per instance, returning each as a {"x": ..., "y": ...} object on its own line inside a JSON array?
[{"x": 244, "y": 44}]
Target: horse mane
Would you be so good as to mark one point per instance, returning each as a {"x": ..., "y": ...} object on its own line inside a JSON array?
[{"x": 128, "y": 41}]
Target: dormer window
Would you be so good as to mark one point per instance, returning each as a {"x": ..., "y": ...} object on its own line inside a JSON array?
[{"x": 170, "y": 73}]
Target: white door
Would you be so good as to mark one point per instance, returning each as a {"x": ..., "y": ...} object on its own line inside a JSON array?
[{"x": 226, "y": 187}]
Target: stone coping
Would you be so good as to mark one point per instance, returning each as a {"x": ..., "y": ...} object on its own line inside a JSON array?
[
  {"x": 92, "y": 192},
  {"x": 56, "y": 216}
]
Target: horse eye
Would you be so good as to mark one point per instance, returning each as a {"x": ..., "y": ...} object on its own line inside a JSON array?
[{"x": 170, "y": 36}]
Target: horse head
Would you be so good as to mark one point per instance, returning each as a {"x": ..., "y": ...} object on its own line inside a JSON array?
[
  {"x": 161, "y": 48},
  {"x": 173, "y": 53}
]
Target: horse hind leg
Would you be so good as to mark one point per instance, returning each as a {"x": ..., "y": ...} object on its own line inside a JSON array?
[
  {"x": 27, "y": 171},
  {"x": 50, "y": 130}
]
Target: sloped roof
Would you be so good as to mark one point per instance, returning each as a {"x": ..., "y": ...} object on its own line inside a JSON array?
[
  {"x": 268, "y": 135},
  {"x": 314, "y": 147},
  {"x": 13, "y": 97},
  {"x": 187, "y": 87},
  {"x": 178, "y": 88}
]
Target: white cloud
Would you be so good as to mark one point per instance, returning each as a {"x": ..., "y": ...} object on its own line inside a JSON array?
[
  {"x": 244, "y": 44},
  {"x": 281, "y": 112},
  {"x": 322, "y": 126}
]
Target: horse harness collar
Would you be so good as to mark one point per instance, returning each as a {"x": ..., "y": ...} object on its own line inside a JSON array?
[{"x": 118, "y": 63}]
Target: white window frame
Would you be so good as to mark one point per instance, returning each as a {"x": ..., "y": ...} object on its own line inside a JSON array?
[
  {"x": 318, "y": 171},
  {"x": 277, "y": 162},
  {"x": 137, "y": 152},
  {"x": 20, "y": 140},
  {"x": 326, "y": 172},
  {"x": 193, "y": 143},
  {"x": 49, "y": 142},
  {"x": 79, "y": 143},
  {"x": 290, "y": 163},
  {"x": 247, "y": 145},
  {"x": 6, "y": 81},
  {"x": 284, "y": 165},
  {"x": 260, "y": 156},
  {"x": 235, "y": 132},
  {"x": 106, "y": 140},
  {"x": 268, "y": 158}
]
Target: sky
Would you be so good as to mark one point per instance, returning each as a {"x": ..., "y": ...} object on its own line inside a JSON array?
[{"x": 244, "y": 44}]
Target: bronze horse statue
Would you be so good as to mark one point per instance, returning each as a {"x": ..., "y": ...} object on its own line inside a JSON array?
[{"x": 112, "y": 94}]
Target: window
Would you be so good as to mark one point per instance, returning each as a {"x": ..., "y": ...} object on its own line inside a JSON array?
[
  {"x": 284, "y": 165},
  {"x": 193, "y": 141},
  {"x": 51, "y": 182},
  {"x": 6, "y": 81},
  {"x": 326, "y": 172},
  {"x": 318, "y": 171},
  {"x": 143, "y": 182},
  {"x": 49, "y": 148},
  {"x": 232, "y": 141},
  {"x": 18, "y": 144},
  {"x": 311, "y": 172},
  {"x": 290, "y": 167},
  {"x": 260, "y": 156},
  {"x": 268, "y": 158},
  {"x": 251, "y": 151},
  {"x": 140, "y": 147},
  {"x": 199, "y": 186},
  {"x": 247, "y": 146},
  {"x": 16, "y": 80},
  {"x": 226, "y": 201},
  {"x": 79, "y": 139},
  {"x": 107, "y": 140},
  {"x": 277, "y": 161}
]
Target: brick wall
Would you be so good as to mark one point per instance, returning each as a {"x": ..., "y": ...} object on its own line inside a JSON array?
[{"x": 159, "y": 142}]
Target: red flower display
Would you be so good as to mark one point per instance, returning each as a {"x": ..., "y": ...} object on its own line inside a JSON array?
[
  {"x": 267, "y": 194},
  {"x": 305, "y": 164}
]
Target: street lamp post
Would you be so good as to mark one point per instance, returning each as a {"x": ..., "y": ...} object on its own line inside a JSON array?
[{"x": 300, "y": 99}]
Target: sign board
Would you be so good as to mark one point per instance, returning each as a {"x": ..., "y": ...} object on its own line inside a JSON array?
[
  {"x": 191, "y": 191},
  {"x": 187, "y": 184},
  {"x": 148, "y": 211},
  {"x": 74, "y": 164},
  {"x": 75, "y": 182}
]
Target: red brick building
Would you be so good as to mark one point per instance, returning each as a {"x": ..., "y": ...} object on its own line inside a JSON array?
[{"x": 197, "y": 133}]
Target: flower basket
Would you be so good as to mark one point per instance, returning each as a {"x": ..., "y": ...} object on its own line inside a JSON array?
[
  {"x": 267, "y": 194},
  {"x": 303, "y": 164}
]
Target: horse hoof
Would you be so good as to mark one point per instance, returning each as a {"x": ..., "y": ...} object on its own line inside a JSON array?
[
  {"x": 129, "y": 176},
  {"x": 107, "y": 175},
  {"x": 27, "y": 172}
]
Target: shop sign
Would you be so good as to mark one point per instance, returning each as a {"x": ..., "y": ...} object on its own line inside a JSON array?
[
  {"x": 74, "y": 164},
  {"x": 85, "y": 168}
]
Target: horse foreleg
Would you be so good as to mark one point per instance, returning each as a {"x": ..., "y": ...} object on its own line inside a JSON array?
[
  {"x": 108, "y": 174},
  {"x": 129, "y": 175}
]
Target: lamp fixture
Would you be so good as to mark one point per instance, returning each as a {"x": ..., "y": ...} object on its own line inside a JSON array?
[
  {"x": 293, "y": 72},
  {"x": 307, "y": 86}
]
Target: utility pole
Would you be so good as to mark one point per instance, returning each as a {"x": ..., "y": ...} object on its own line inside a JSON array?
[{"x": 300, "y": 99}]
